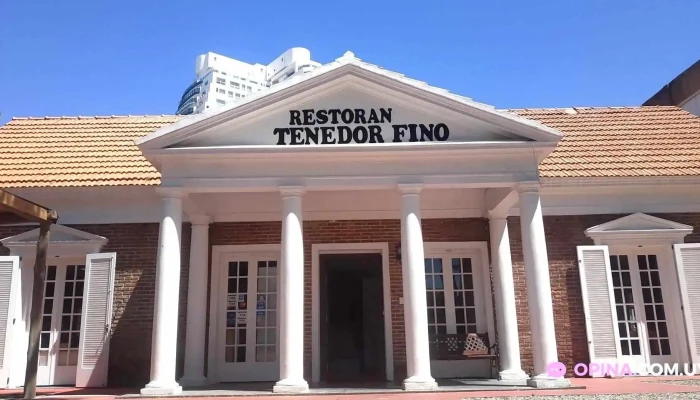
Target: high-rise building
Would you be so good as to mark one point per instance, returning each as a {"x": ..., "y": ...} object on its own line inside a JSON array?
[{"x": 221, "y": 80}]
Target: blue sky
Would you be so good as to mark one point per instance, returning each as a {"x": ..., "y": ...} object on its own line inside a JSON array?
[{"x": 91, "y": 57}]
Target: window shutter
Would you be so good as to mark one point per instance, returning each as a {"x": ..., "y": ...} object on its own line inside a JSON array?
[
  {"x": 688, "y": 269},
  {"x": 598, "y": 303},
  {"x": 97, "y": 319},
  {"x": 9, "y": 287}
]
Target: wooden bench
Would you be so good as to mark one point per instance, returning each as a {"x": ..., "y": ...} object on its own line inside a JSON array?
[{"x": 451, "y": 346}]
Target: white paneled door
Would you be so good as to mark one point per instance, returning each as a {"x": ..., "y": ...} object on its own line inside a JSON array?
[
  {"x": 248, "y": 334},
  {"x": 62, "y": 308}
]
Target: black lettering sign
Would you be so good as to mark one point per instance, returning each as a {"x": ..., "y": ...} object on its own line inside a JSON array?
[{"x": 353, "y": 125}]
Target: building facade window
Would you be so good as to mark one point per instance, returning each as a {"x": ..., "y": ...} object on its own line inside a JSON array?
[
  {"x": 222, "y": 91},
  {"x": 230, "y": 94},
  {"x": 629, "y": 283},
  {"x": 221, "y": 81},
  {"x": 220, "y": 101},
  {"x": 451, "y": 295}
]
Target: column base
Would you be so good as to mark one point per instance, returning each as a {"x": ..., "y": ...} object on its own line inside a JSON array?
[
  {"x": 546, "y": 381},
  {"x": 155, "y": 388},
  {"x": 415, "y": 383},
  {"x": 517, "y": 377},
  {"x": 193, "y": 381},
  {"x": 291, "y": 386}
]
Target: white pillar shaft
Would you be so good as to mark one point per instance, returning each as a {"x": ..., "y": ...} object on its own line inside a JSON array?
[
  {"x": 414, "y": 293},
  {"x": 164, "y": 340},
  {"x": 196, "y": 306},
  {"x": 539, "y": 293},
  {"x": 504, "y": 293},
  {"x": 291, "y": 299}
]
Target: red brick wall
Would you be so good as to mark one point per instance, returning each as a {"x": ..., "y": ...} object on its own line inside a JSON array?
[
  {"x": 563, "y": 234},
  {"x": 434, "y": 230},
  {"x": 136, "y": 246}
]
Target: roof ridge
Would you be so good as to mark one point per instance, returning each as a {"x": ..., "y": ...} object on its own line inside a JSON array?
[
  {"x": 583, "y": 108},
  {"x": 95, "y": 117}
]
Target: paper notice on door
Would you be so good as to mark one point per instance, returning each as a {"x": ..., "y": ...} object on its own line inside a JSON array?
[
  {"x": 231, "y": 302},
  {"x": 241, "y": 318}
]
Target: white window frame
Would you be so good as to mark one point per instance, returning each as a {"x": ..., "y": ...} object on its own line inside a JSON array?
[
  {"x": 218, "y": 253},
  {"x": 74, "y": 246},
  {"x": 349, "y": 248},
  {"x": 485, "y": 314},
  {"x": 670, "y": 290},
  {"x": 640, "y": 233},
  {"x": 482, "y": 281}
]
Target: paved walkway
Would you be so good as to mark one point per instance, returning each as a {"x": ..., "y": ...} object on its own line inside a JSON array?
[{"x": 635, "y": 385}]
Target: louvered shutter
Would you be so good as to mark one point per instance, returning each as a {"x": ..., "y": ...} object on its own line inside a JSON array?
[
  {"x": 9, "y": 291},
  {"x": 97, "y": 319},
  {"x": 688, "y": 268},
  {"x": 598, "y": 303}
]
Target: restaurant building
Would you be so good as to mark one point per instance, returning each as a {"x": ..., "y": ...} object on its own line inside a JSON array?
[{"x": 354, "y": 225}]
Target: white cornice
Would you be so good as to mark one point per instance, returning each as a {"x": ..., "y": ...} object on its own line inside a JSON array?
[
  {"x": 76, "y": 242},
  {"x": 617, "y": 182},
  {"x": 499, "y": 148},
  {"x": 639, "y": 228}
]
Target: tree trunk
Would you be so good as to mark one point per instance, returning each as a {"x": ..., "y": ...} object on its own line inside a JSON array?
[{"x": 35, "y": 316}]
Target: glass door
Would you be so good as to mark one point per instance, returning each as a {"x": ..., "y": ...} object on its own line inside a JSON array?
[
  {"x": 456, "y": 306},
  {"x": 62, "y": 309},
  {"x": 629, "y": 324},
  {"x": 658, "y": 339},
  {"x": 643, "y": 326},
  {"x": 248, "y": 319}
]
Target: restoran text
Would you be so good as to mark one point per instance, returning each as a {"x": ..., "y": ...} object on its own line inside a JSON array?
[{"x": 353, "y": 125}]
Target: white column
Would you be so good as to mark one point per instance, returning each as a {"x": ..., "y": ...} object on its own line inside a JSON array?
[
  {"x": 164, "y": 340},
  {"x": 539, "y": 291},
  {"x": 197, "y": 303},
  {"x": 504, "y": 293},
  {"x": 415, "y": 303},
  {"x": 291, "y": 295}
]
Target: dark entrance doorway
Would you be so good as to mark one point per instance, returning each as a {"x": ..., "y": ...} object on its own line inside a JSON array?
[{"x": 352, "y": 318}]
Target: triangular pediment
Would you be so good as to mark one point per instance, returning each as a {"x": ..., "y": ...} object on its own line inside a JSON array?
[
  {"x": 638, "y": 222},
  {"x": 59, "y": 234},
  {"x": 348, "y": 102}
]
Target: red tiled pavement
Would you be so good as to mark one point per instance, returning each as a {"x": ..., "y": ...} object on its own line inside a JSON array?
[{"x": 592, "y": 387}]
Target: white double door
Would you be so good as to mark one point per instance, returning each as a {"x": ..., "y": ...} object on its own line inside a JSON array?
[
  {"x": 642, "y": 283},
  {"x": 247, "y": 318},
  {"x": 62, "y": 309}
]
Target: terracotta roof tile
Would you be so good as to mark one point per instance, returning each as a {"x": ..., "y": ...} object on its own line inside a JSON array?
[
  {"x": 620, "y": 141},
  {"x": 598, "y": 142},
  {"x": 77, "y": 151}
]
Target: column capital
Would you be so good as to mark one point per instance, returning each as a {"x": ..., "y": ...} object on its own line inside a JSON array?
[
  {"x": 200, "y": 220},
  {"x": 292, "y": 191},
  {"x": 496, "y": 216},
  {"x": 527, "y": 187},
  {"x": 171, "y": 193},
  {"x": 410, "y": 188}
]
